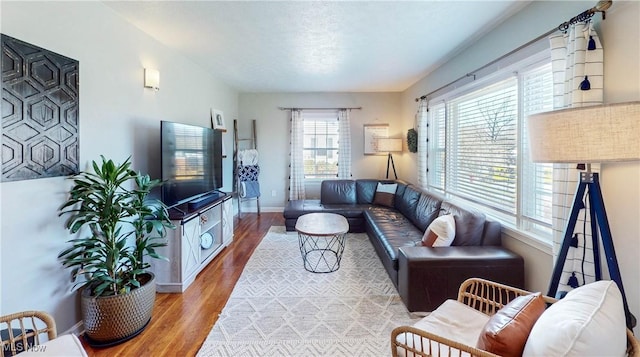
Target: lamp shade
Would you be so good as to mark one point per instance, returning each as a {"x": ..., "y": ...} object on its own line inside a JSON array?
[
  {"x": 594, "y": 134},
  {"x": 389, "y": 145}
]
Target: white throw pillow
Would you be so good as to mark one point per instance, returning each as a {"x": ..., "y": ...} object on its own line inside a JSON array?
[
  {"x": 588, "y": 321},
  {"x": 441, "y": 232}
]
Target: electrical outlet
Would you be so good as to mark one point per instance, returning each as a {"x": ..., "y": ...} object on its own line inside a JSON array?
[{"x": 273, "y": 193}]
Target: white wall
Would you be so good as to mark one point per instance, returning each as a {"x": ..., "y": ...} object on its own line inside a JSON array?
[
  {"x": 620, "y": 182},
  {"x": 118, "y": 118},
  {"x": 273, "y": 134},
  {"x": 620, "y": 34}
]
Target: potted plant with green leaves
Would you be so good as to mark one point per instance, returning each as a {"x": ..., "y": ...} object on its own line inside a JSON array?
[{"x": 118, "y": 226}]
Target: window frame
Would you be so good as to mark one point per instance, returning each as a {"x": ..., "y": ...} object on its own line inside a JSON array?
[
  {"x": 320, "y": 116},
  {"x": 517, "y": 224}
]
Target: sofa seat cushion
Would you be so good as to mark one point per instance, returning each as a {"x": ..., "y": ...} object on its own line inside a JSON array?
[
  {"x": 393, "y": 230},
  {"x": 453, "y": 320},
  {"x": 295, "y": 208}
]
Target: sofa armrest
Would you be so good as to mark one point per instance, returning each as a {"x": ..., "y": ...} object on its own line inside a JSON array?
[{"x": 429, "y": 276}]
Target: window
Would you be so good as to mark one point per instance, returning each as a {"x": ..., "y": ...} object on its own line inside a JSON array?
[
  {"x": 478, "y": 149},
  {"x": 320, "y": 145},
  {"x": 537, "y": 179}
]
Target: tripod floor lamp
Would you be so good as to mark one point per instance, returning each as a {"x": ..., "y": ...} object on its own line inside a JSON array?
[
  {"x": 594, "y": 134},
  {"x": 390, "y": 145}
]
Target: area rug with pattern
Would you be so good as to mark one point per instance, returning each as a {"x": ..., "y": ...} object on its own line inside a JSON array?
[{"x": 277, "y": 308}]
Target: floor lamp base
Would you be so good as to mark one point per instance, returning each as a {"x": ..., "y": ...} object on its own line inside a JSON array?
[
  {"x": 589, "y": 182},
  {"x": 390, "y": 160}
]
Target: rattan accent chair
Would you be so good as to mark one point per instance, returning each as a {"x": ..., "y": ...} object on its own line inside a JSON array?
[
  {"x": 483, "y": 295},
  {"x": 26, "y": 328},
  {"x": 33, "y": 333}
]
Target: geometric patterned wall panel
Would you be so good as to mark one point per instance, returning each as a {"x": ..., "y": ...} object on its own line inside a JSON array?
[{"x": 39, "y": 112}]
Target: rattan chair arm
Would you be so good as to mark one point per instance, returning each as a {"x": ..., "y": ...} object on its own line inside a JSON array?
[
  {"x": 425, "y": 349},
  {"x": 24, "y": 321},
  {"x": 488, "y": 297},
  {"x": 633, "y": 345},
  {"x": 43, "y": 316}
]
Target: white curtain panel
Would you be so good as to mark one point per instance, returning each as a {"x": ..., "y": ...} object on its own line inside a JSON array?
[
  {"x": 296, "y": 175},
  {"x": 423, "y": 149},
  {"x": 572, "y": 62},
  {"x": 344, "y": 145}
]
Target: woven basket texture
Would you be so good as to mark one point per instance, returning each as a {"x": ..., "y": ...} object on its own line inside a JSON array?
[{"x": 111, "y": 318}]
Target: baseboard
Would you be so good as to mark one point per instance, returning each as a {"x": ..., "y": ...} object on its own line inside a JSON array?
[
  {"x": 262, "y": 209},
  {"x": 77, "y": 329}
]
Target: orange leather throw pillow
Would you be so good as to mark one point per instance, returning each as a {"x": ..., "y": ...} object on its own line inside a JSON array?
[{"x": 507, "y": 331}]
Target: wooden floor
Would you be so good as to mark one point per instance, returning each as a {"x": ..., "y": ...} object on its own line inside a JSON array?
[{"x": 181, "y": 322}]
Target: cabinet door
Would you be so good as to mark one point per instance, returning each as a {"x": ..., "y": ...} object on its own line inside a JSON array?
[
  {"x": 227, "y": 222},
  {"x": 190, "y": 247}
]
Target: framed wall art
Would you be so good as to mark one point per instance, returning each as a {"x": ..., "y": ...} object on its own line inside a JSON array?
[
  {"x": 40, "y": 98},
  {"x": 217, "y": 118},
  {"x": 371, "y": 132}
]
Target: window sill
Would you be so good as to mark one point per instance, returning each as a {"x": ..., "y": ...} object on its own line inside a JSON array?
[
  {"x": 316, "y": 179},
  {"x": 531, "y": 239},
  {"x": 528, "y": 239}
]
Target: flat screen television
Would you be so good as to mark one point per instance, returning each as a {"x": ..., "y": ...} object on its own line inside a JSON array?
[{"x": 191, "y": 162}]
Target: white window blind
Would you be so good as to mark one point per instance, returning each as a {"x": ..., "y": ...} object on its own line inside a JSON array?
[
  {"x": 437, "y": 140},
  {"x": 320, "y": 153},
  {"x": 479, "y": 151},
  {"x": 481, "y": 163},
  {"x": 537, "y": 93}
]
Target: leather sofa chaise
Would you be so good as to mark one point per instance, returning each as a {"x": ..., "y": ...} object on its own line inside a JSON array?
[{"x": 424, "y": 276}]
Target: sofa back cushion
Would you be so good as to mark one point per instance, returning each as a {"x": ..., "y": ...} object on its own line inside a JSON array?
[
  {"x": 492, "y": 232},
  {"x": 338, "y": 192},
  {"x": 469, "y": 223},
  {"x": 408, "y": 202},
  {"x": 366, "y": 190},
  {"x": 427, "y": 210},
  {"x": 402, "y": 186}
]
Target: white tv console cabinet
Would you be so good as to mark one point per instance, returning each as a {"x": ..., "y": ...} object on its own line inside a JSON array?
[{"x": 199, "y": 237}]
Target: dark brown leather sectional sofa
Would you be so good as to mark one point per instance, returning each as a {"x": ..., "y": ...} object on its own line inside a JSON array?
[{"x": 425, "y": 277}]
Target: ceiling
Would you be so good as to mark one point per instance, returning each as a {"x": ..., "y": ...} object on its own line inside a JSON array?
[{"x": 317, "y": 46}]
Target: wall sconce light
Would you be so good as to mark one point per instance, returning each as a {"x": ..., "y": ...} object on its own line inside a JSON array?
[{"x": 152, "y": 78}]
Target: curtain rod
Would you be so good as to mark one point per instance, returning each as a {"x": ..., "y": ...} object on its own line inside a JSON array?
[
  {"x": 347, "y": 108},
  {"x": 601, "y": 6}
]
